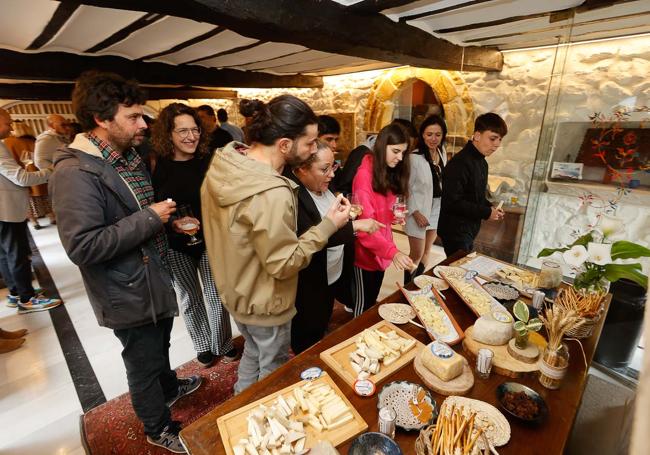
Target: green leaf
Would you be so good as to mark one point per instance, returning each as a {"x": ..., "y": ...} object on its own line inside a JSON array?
[
  {"x": 614, "y": 272},
  {"x": 520, "y": 327},
  {"x": 584, "y": 240},
  {"x": 520, "y": 310},
  {"x": 627, "y": 250},
  {"x": 534, "y": 325},
  {"x": 548, "y": 251}
]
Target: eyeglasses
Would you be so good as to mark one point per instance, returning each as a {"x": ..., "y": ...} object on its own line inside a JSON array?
[
  {"x": 185, "y": 132},
  {"x": 329, "y": 169}
]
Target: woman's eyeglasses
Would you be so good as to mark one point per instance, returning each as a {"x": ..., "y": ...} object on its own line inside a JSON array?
[
  {"x": 331, "y": 168},
  {"x": 185, "y": 132}
]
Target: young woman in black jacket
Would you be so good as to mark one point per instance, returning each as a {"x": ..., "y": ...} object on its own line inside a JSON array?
[{"x": 330, "y": 274}]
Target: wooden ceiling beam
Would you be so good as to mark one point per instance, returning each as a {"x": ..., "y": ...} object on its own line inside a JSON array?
[
  {"x": 62, "y": 66},
  {"x": 325, "y": 26},
  {"x": 58, "y": 20},
  {"x": 62, "y": 92},
  {"x": 434, "y": 12},
  {"x": 375, "y": 6},
  {"x": 127, "y": 31},
  {"x": 179, "y": 47}
]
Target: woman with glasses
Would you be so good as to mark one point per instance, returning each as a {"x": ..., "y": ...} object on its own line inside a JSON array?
[
  {"x": 182, "y": 159},
  {"x": 329, "y": 274}
]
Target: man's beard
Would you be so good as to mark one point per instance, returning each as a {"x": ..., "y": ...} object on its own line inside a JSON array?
[
  {"x": 124, "y": 142},
  {"x": 292, "y": 158}
]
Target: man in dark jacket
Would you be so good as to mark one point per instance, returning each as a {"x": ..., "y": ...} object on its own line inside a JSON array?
[
  {"x": 464, "y": 186},
  {"x": 112, "y": 229}
]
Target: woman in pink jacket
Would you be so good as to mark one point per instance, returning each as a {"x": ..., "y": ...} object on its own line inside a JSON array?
[{"x": 382, "y": 176}]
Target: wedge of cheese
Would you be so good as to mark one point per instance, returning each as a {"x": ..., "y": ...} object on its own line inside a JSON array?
[{"x": 442, "y": 361}]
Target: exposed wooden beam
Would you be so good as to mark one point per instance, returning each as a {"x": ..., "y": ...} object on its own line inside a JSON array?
[
  {"x": 234, "y": 50},
  {"x": 62, "y": 66},
  {"x": 58, "y": 20},
  {"x": 375, "y": 6},
  {"x": 505, "y": 20},
  {"x": 124, "y": 33},
  {"x": 441, "y": 10},
  {"x": 558, "y": 27},
  {"x": 197, "y": 39},
  {"x": 63, "y": 91},
  {"x": 309, "y": 23}
]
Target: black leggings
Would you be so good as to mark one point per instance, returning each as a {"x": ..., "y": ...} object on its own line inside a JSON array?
[{"x": 367, "y": 284}]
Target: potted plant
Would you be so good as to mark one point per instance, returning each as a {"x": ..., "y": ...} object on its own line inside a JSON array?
[
  {"x": 593, "y": 257},
  {"x": 524, "y": 325}
]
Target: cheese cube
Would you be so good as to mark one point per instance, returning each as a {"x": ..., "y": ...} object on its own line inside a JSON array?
[{"x": 444, "y": 368}]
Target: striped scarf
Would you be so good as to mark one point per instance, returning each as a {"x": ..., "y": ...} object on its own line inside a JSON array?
[{"x": 129, "y": 167}]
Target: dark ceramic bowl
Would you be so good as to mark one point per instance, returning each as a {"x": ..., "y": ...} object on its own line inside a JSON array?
[
  {"x": 374, "y": 444},
  {"x": 515, "y": 387}
]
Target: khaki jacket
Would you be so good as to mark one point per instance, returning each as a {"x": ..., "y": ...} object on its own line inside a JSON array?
[{"x": 249, "y": 221}]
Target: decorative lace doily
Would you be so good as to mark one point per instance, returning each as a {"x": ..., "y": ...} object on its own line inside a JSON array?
[{"x": 398, "y": 395}]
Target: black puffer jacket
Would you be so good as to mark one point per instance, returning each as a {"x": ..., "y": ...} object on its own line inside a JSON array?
[
  {"x": 464, "y": 204},
  {"x": 106, "y": 234}
]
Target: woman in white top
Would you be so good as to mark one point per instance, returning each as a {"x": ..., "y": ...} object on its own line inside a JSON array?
[
  {"x": 425, "y": 191},
  {"x": 330, "y": 274}
]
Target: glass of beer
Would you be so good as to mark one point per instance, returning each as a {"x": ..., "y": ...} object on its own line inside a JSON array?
[
  {"x": 356, "y": 208},
  {"x": 188, "y": 223}
]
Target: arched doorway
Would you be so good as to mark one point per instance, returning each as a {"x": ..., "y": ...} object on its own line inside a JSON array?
[{"x": 433, "y": 88}]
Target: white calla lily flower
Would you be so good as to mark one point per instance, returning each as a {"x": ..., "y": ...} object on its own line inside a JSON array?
[
  {"x": 575, "y": 256},
  {"x": 600, "y": 253},
  {"x": 610, "y": 225}
]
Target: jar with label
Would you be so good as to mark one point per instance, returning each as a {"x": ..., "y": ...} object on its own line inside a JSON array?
[{"x": 550, "y": 275}]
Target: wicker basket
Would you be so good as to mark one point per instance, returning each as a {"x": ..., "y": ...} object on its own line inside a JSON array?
[
  {"x": 587, "y": 329},
  {"x": 423, "y": 441}
]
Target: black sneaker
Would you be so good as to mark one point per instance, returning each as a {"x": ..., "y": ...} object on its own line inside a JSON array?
[
  {"x": 206, "y": 359},
  {"x": 231, "y": 356},
  {"x": 185, "y": 387},
  {"x": 168, "y": 438}
]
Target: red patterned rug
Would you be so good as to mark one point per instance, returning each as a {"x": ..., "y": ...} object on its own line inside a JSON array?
[{"x": 113, "y": 428}]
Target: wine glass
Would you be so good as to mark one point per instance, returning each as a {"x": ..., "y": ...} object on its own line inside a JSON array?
[
  {"x": 399, "y": 210},
  {"x": 188, "y": 223},
  {"x": 356, "y": 208}
]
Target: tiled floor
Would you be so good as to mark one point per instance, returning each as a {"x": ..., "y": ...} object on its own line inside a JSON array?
[{"x": 39, "y": 406}]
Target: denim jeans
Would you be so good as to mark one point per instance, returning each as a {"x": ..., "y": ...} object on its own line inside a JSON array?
[
  {"x": 15, "y": 262},
  {"x": 265, "y": 349},
  {"x": 151, "y": 380}
]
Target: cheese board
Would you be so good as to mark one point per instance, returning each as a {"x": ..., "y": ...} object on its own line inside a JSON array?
[
  {"x": 434, "y": 315},
  {"x": 253, "y": 422},
  {"x": 459, "y": 385},
  {"x": 342, "y": 357},
  {"x": 502, "y": 363},
  {"x": 473, "y": 294},
  {"x": 490, "y": 268}
]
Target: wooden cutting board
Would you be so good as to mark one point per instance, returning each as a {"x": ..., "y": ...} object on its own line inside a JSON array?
[
  {"x": 503, "y": 363},
  {"x": 457, "y": 386},
  {"x": 233, "y": 426},
  {"x": 337, "y": 357}
]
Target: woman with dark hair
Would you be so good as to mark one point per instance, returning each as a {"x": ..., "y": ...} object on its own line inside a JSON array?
[
  {"x": 425, "y": 191},
  {"x": 183, "y": 157},
  {"x": 382, "y": 176},
  {"x": 330, "y": 272}
]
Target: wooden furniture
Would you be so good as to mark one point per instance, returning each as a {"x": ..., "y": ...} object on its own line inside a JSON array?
[
  {"x": 501, "y": 239},
  {"x": 202, "y": 437}
]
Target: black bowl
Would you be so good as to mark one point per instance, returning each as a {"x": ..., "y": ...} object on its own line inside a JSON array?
[
  {"x": 374, "y": 444},
  {"x": 515, "y": 387}
]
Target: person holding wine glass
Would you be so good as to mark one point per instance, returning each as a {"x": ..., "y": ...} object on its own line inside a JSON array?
[
  {"x": 382, "y": 176},
  {"x": 425, "y": 191},
  {"x": 330, "y": 273},
  {"x": 183, "y": 156}
]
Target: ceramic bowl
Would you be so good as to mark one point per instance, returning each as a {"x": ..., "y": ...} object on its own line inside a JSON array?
[
  {"x": 515, "y": 387},
  {"x": 374, "y": 444},
  {"x": 398, "y": 395}
]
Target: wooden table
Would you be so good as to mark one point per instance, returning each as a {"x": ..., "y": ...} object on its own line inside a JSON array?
[{"x": 549, "y": 438}]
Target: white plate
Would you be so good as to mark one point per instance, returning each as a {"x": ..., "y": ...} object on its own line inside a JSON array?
[
  {"x": 398, "y": 395},
  {"x": 458, "y": 272},
  {"x": 423, "y": 281},
  {"x": 397, "y": 313}
]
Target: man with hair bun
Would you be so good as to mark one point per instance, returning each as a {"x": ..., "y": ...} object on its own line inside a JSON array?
[
  {"x": 464, "y": 184},
  {"x": 250, "y": 229}
]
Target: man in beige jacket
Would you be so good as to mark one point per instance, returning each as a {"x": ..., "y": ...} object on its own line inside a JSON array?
[{"x": 250, "y": 230}]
